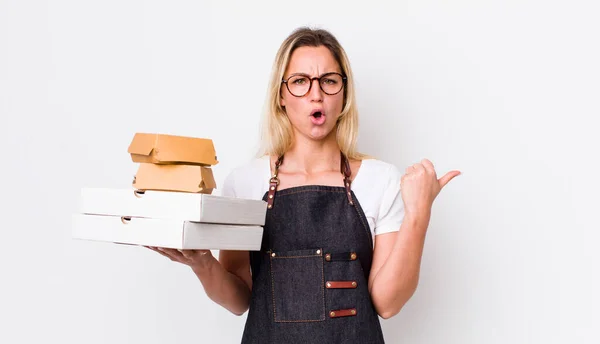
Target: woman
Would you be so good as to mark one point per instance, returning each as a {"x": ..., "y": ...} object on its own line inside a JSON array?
[{"x": 344, "y": 233}]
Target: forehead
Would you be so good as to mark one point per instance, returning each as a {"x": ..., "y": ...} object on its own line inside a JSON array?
[{"x": 312, "y": 61}]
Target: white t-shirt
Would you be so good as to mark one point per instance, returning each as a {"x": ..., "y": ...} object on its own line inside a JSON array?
[{"x": 376, "y": 186}]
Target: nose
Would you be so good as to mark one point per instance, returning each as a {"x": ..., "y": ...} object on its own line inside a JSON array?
[{"x": 315, "y": 94}]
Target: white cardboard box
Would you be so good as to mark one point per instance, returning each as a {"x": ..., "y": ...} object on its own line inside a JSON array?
[
  {"x": 178, "y": 234},
  {"x": 173, "y": 205}
]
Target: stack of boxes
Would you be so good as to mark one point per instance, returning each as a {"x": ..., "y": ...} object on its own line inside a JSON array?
[
  {"x": 171, "y": 202},
  {"x": 173, "y": 163}
]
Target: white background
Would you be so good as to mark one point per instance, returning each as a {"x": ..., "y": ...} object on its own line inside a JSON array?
[{"x": 505, "y": 91}]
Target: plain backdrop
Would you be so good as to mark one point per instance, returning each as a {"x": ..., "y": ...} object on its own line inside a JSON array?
[{"x": 504, "y": 91}]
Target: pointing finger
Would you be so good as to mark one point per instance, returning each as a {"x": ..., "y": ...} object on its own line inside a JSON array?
[{"x": 448, "y": 177}]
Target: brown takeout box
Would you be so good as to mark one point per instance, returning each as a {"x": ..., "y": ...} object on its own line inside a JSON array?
[
  {"x": 172, "y": 149},
  {"x": 182, "y": 178}
]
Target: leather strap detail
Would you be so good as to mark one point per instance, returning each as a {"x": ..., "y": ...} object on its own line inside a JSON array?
[
  {"x": 347, "y": 172},
  {"x": 344, "y": 167},
  {"x": 273, "y": 183},
  {"x": 337, "y": 256},
  {"x": 342, "y": 313},
  {"x": 341, "y": 284}
]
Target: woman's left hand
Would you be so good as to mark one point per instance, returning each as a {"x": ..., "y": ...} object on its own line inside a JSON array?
[{"x": 420, "y": 186}]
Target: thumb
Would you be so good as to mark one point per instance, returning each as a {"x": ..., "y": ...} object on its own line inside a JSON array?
[{"x": 447, "y": 177}]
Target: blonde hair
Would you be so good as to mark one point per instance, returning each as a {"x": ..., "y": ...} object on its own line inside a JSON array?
[{"x": 276, "y": 131}]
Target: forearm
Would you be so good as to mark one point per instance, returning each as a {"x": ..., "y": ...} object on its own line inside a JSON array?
[
  {"x": 397, "y": 279},
  {"x": 222, "y": 286}
]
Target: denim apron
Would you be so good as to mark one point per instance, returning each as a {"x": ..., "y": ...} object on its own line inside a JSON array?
[{"x": 309, "y": 281}]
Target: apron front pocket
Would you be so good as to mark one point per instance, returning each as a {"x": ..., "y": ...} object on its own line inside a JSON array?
[{"x": 297, "y": 283}]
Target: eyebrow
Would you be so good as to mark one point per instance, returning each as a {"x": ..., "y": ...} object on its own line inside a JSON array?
[{"x": 309, "y": 75}]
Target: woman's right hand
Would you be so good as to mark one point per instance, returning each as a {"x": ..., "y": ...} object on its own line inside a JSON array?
[{"x": 196, "y": 259}]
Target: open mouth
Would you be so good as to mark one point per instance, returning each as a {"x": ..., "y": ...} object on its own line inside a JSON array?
[
  {"x": 317, "y": 114},
  {"x": 317, "y": 117}
]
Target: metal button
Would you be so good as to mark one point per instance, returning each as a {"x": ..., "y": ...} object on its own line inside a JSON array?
[
  {"x": 318, "y": 251},
  {"x": 273, "y": 254},
  {"x": 272, "y": 188},
  {"x": 328, "y": 285},
  {"x": 269, "y": 206},
  {"x": 332, "y": 314},
  {"x": 354, "y": 284},
  {"x": 327, "y": 257},
  {"x": 353, "y": 256},
  {"x": 270, "y": 196},
  {"x": 353, "y": 312}
]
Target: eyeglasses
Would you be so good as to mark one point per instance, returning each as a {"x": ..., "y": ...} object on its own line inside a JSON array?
[{"x": 300, "y": 84}]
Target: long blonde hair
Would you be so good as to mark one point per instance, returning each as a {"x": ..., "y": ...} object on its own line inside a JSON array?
[{"x": 276, "y": 130}]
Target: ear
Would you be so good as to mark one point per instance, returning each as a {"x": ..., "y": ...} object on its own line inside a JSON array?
[{"x": 281, "y": 101}]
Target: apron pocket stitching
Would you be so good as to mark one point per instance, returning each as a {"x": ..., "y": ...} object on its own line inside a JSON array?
[{"x": 287, "y": 293}]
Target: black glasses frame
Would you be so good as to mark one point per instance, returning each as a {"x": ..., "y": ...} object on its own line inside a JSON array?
[{"x": 285, "y": 81}]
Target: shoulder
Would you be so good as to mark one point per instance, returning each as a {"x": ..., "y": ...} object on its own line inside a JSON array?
[
  {"x": 378, "y": 171},
  {"x": 375, "y": 177},
  {"x": 377, "y": 188},
  {"x": 248, "y": 180},
  {"x": 250, "y": 169}
]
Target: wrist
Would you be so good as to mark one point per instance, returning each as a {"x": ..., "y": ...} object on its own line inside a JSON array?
[
  {"x": 203, "y": 263},
  {"x": 417, "y": 218}
]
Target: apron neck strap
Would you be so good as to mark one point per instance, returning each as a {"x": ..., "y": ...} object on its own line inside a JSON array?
[
  {"x": 344, "y": 168},
  {"x": 347, "y": 172}
]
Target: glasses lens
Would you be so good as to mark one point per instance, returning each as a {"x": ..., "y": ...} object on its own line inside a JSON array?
[
  {"x": 298, "y": 85},
  {"x": 331, "y": 83}
]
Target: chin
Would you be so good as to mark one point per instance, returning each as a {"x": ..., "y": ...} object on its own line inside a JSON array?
[{"x": 319, "y": 134}]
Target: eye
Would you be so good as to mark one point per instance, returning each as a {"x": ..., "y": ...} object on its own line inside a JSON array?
[
  {"x": 328, "y": 81},
  {"x": 299, "y": 81}
]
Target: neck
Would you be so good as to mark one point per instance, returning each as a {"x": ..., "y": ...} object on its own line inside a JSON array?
[{"x": 309, "y": 156}]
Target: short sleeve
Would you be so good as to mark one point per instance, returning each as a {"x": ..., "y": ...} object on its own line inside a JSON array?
[
  {"x": 229, "y": 186},
  {"x": 247, "y": 181},
  {"x": 391, "y": 209}
]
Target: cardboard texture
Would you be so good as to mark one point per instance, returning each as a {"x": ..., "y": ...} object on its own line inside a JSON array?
[
  {"x": 173, "y": 206},
  {"x": 182, "y": 178},
  {"x": 170, "y": 204},
  {"x": 166, "y": 233},
  {"x": 172, "y": 149}
]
